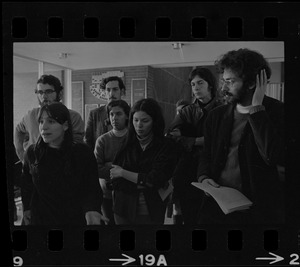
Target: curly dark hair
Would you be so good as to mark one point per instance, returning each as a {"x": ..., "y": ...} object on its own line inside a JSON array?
[
  {"x": 113, "y": 78},
  {"x": 245, "y": 63},
  {"x": 53, "y": 81}
]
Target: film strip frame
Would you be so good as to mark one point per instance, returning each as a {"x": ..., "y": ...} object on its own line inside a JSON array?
[{"x": 158, "y": 245}]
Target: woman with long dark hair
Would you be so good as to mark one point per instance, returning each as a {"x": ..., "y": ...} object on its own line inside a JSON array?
[
  {"x": 60, "y": 181},
  {"x": 142, "y": 169}
]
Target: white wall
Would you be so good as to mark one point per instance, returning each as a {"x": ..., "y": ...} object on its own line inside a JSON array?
[
  {"x": 277, "y": 69},
  {"x": 24, "y": 97}
]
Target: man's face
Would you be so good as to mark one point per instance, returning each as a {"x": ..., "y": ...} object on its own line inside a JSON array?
[
  {"x": 46, "y": 93},
  {"x": 233, "y": 87},
  {"x": 118, "y": 118},
  {"x": 201, "y": 89},
  {"x": 113, "y": 91}
]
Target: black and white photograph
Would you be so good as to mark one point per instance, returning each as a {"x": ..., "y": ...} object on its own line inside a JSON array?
[
  {"x": 174, "y": 133},
  {"x": 151, "y": 134}
]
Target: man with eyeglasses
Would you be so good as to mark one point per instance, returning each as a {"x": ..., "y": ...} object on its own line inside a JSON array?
[
  {"x": 244, "y": 142},
  {"x": 48, "y": 90}
]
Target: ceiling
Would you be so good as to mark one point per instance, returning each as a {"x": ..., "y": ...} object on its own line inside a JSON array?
[{"x": 93, "y": 55}]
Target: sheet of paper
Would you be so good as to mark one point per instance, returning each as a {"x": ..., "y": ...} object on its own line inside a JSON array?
[{"x": 229, "y": 199}]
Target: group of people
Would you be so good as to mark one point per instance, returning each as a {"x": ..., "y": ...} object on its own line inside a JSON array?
[{"x": 119, "y": 168}]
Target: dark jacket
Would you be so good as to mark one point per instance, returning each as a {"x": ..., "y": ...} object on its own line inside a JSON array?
[
  {"x": 60, "y": 189},
  {"x": 96, "y": 125},
  {"x": 154, "y": 166},
  {"x": 261, "y": 148},
  {"x": 190, "y": 121}
]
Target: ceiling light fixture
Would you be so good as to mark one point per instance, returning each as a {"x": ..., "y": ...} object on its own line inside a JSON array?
[
  {"x": 177, "y": 45},
  {"x": 63, "y": 55}
]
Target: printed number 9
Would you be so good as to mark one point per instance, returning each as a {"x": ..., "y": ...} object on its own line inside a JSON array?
[
  {"x": 18, "y": 261},
  {"x": 150, "y": 259}
]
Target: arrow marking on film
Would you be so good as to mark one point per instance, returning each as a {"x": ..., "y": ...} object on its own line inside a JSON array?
[
  {"x": 126, "y": 261},
  {"x": 274, "y": 260}
]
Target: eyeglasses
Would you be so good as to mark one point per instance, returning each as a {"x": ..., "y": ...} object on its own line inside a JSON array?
[
  {"x": 47, "y": 91},
  {"x": 228, "y": 83}
]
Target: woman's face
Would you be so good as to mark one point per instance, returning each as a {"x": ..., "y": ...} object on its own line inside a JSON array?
[
  {"x": 201, "y": 89},
  {"x": 118, "y": 118},
  {"x": 142, "y": 123},
  {"x": 51, "y": 131}
]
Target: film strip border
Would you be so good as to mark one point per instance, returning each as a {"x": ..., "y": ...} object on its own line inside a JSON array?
[
  {"x": 72, "y": 22},
  {"x": 152, "y": 21},
  {"x": 163, "y": 28},
  {"x": 163, "y": 240},
  {"x": 175, "y": 246}
]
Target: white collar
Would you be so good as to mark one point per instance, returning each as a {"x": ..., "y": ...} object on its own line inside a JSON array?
[{"x": 243, "y": 109}]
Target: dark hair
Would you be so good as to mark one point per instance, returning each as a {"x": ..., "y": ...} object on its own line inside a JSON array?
[
  {"x": 153, "y": 109},
  {"x": 118, "y": 103},
  {"x": 60, "y": 113},
  {"x": 206, "y": 75},
  {"x": 245, "y": 63},
  {"x": 113, "y": 78},
  {"x": 55, "y": 82}
]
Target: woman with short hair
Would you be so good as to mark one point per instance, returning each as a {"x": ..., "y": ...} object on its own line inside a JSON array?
[{"x": 60, "y": 180}]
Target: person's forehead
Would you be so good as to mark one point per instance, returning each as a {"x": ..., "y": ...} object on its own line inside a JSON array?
[
  {"x": 141, "y": 114},
  {"x": 112, "y": 84},
  {"x": 229, "y": 74},
  {"x": 197, "y": 78},
  {"x": 45, "y": 86},
  {"x": 116, "y": 109}
]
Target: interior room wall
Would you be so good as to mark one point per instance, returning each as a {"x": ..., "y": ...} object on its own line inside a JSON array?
[
  {"x": 166, "y": 85},
  {"x": 129, "y": 74},
  {"x": 24, "y": 97}
]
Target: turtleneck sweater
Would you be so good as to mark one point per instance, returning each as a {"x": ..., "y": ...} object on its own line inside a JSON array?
[{"x": 145, "y": 141}]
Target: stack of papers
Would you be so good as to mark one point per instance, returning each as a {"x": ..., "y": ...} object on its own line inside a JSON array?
[{"x": 229, "y": 199}]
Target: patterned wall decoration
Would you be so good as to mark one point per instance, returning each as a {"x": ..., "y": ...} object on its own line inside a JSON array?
[{"x": 95, "y": 86}]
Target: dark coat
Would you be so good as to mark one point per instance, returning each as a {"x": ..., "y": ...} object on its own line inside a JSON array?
[
  {"x": 260, "y": 150},
  {"x": 190, "y": 121},
  {"x": 154, "y": 166},
  {"x": 59, "y": 190},
  {"x": 96, "y": 125}
]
